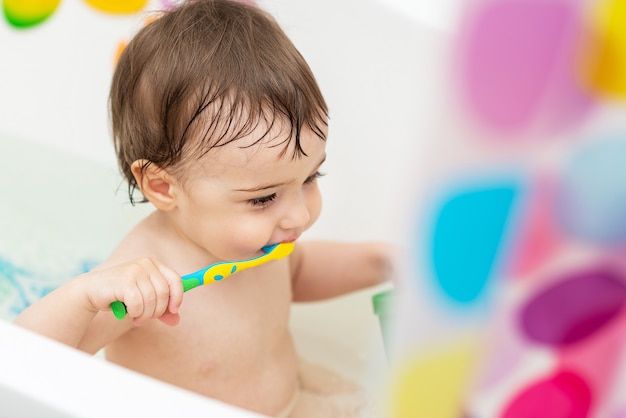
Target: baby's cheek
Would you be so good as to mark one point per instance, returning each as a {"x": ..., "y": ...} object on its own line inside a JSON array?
[
  {"x": 315, "y": 205},
  {"x": 247, "y": 237}
]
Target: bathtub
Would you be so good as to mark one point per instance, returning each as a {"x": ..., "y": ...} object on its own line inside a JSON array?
[{"x": 60, "y": 215}]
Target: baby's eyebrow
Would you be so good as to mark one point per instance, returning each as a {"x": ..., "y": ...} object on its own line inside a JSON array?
[
  {"x": 271, "y": 186},
  {"x": 260, "y": 188}
]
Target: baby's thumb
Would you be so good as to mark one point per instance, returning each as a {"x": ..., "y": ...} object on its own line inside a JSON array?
[{"x": 169, "y": 318}]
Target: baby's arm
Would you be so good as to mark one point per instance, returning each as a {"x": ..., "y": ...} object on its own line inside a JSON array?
[
  {"x": 148, "y": 288},
  {"x": 324, "y": 269}
]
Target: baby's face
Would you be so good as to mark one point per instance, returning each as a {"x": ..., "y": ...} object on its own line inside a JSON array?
[{"x": 237, "y": 200}]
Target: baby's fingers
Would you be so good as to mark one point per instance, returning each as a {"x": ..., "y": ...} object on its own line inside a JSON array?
[
  {"x": 156, "y": 289},
  {"x": 148, "y": 302},
  {"x": 133, "y": 301},
  {"x": 174, "y": 287}
]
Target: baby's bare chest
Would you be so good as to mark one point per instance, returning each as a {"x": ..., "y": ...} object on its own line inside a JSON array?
[{"x": 234, "y": 332}]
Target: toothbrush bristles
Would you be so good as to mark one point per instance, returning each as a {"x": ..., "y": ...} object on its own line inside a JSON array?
[{"x": 269, "y": 248}]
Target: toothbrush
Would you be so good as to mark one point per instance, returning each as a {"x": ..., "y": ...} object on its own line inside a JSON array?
[{"x": 220, "y": 271}]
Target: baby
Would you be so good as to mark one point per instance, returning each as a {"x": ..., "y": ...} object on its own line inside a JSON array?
[{"x": 220, "y": 124}]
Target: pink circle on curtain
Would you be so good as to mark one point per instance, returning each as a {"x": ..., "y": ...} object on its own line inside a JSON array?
[
  {"x": 537, "y": 239},
  {"x": 578, "y": 305},
  {"x": 515, "y": 65},
  {"x": 168, "y": 4},
  {"x": 562, "y": 395}
]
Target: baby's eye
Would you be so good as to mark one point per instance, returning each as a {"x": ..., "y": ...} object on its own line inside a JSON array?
[
  {"x": 314, "y": 177},
  {"x": 263, "y": 201}
]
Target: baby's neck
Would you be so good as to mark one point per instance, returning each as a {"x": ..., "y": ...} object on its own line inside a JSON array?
[{"x": 172, "y": 247}]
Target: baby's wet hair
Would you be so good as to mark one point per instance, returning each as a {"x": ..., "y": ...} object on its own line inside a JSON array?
[{"x": 204, "y": 75}]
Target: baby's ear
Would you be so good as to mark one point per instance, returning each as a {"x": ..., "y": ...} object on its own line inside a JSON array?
[{"x": 155, "y": 184}]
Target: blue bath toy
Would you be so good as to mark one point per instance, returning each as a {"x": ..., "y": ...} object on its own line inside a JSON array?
[{"x": 220, "y": 271}]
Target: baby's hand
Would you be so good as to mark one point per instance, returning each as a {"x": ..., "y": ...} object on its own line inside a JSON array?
[{"x": 148, "y": 288}]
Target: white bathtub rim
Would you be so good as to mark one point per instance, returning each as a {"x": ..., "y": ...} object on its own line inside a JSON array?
[{"x": 39, "y": 374}]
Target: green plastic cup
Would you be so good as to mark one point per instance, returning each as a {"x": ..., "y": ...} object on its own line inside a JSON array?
[{"x": 383, "y": 308}]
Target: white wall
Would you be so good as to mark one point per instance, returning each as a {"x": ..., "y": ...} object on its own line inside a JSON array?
[{"x": 372, "y": 59}]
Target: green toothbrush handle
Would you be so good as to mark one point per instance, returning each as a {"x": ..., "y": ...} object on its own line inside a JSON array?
[{"x": 119, "y": 308}]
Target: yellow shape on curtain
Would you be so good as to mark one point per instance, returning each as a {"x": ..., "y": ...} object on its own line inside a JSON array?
[
  {"x": 433, "y": 385},
  {"x": 27, "y": 13},
  {"x": 604, "y": 49},
  {"x": 118, "y": 6}
]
